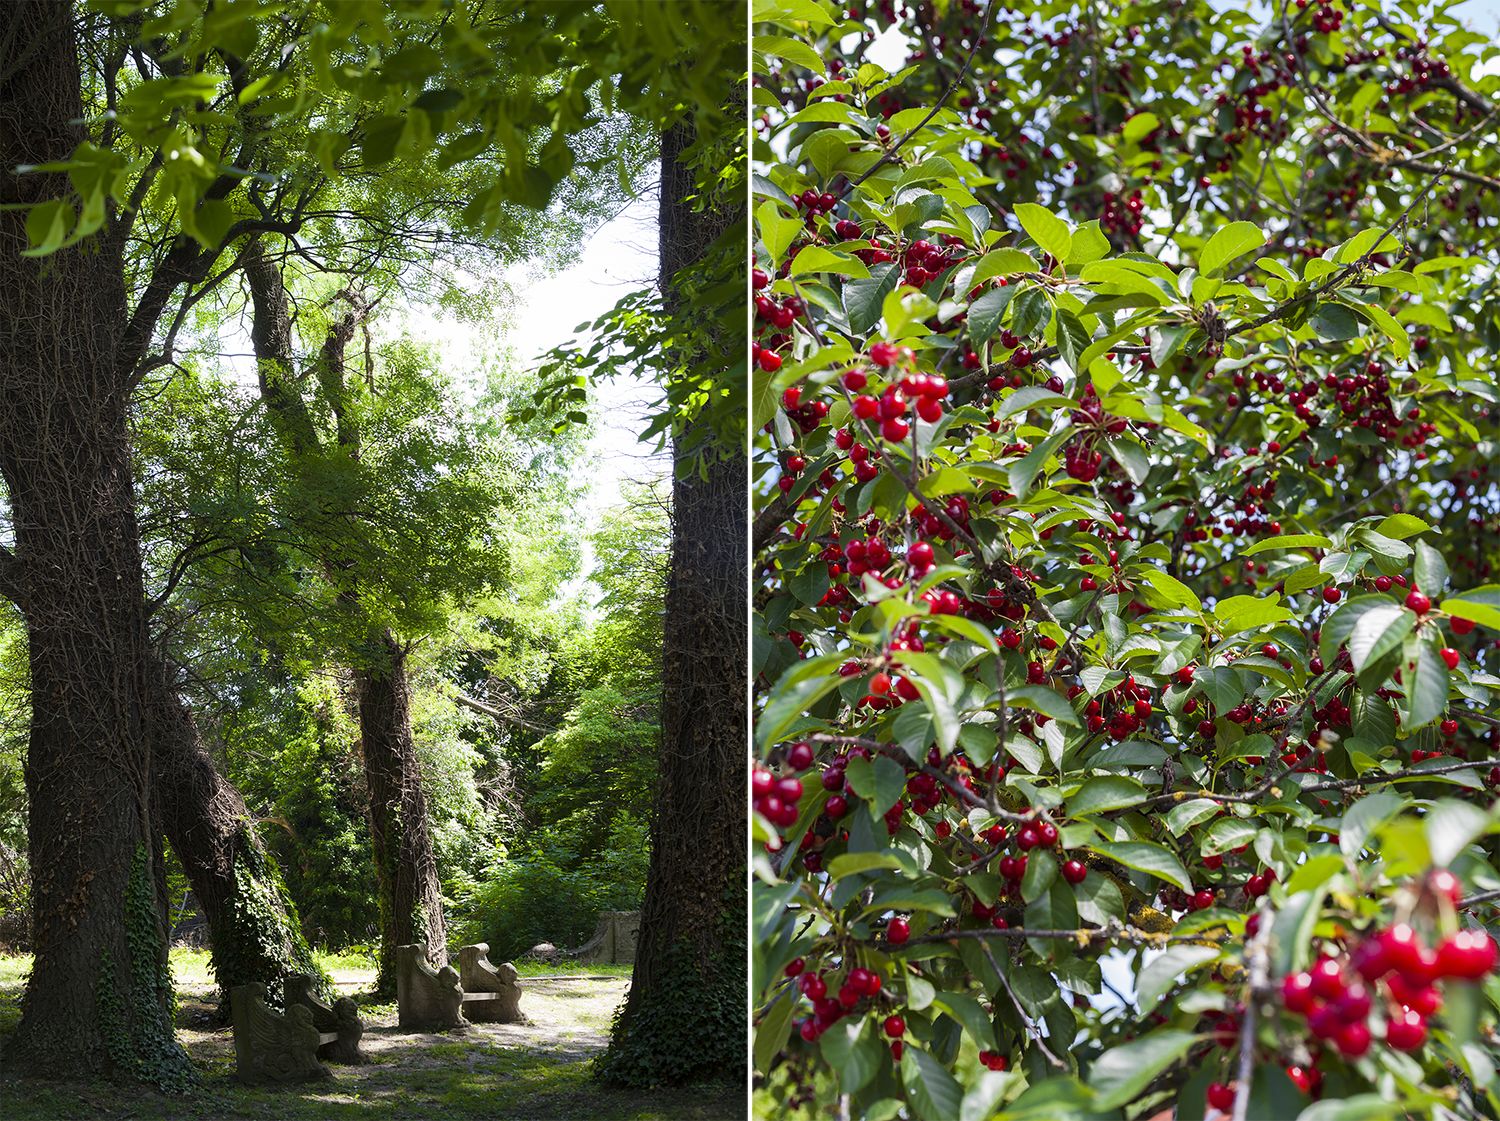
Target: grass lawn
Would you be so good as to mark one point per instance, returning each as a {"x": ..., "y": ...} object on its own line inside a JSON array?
[{"x": 538, "y": 1072}]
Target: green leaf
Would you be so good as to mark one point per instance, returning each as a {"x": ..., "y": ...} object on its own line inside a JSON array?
[
  {"x": 1288, "y": 541},
  {"x": 1172, "y": 590},
  {"x": 1234, "y": 240},
  {"x": 817, "y": 259},
  {"x": 1334, "y": 322},
  {"x": 1161, "y": 973},
  {"x": 1479, "y": 605},
  {"x": 1245, "y": 613},
  {"x": 776, "y": 229},
  {"x": 852, "y": 1050},
  {"x": 1107, "y": 792},
  {"x": 1361, "y": 1107},
  {"x": 970, "y": 1013},
  {"x": 1139, "y": 126},
  {"x": 1089, "y": 244},
  {"x": 1099, "y": 899},
  {"x": 1426, "y": 688},
  {"x": 1072, "y": 339},
  {"x": 1144, "y": 856},
  {"x": 1378, "y": 631},
  {"x": 986, "y": 312},
  {"x": 1184, "y": 815},
  {"x": 1401, "y": 526},
  {"x": 1452, "y": 826},
  {"x": 1362, "y": 819},
  {"x": 47, "y": 226},
  {"x": 863, "y": 296},
  {"x": 1041, "y": 871},
  {"x": 1045, "y": 228},
  {"x": 773, "y": 1032},
  {"x": 1429, "y": 568},
  {"x": 1044, "y": 700},
  {"x": 1120, "y": 1074},
  {"x": 1032, "y": 397},
  {"x": 1005, "y": 261},
  {"x": 930, "y": 1089}
]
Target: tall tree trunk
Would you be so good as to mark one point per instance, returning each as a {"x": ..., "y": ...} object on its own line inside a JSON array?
[
  {"x": 684, "y": 1018},
  {"x": 99, "y": 992},
  {"x": 254, "y": 934},
  {"x": 411, "y": 908},
  {"x": 411, "y": 904}
]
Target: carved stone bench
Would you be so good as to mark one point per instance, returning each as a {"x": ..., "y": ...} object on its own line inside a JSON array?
[
  {"x": 426, "y": 999},
  {"x": 491, "y": 994},
  {"x": 270, "y": 1046},
  {"x": 339, "y": 1026}
]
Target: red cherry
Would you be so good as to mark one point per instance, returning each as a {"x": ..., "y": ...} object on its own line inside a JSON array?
[
  {"x": 894, "y": 1026},
  {"x": 1332, "y": 595},
  {"x": 1327, "y": 979},
  {"x": 1467, "y": 955},
  {"x": 880, "y": 684},
  {"x": 1450, "y": 657},
  {"x": 1220, "y": 1096},
  {"x": 1354, "y": 1040},
  {"x": 1406, "y": 1030},
  {"x": 1074, "y": 871},
  {"x": 1445, "y": 883},
  {"x": 1421, "y": 998},
  {"x": 1021, "y": 358},
  {"x": 1382, "y": 583},
  {"x": 1305, "y": 1079},
  {"x": 1406, "y": 954},
  {"x": 1418, "y": 602},
  {"x": 897, "y": 931},
  {"x": 795, "y": 967},
  {"x": 1460, "y": 626},
  {"x": 1047, "y": 832},
  {"x": 800, "y": 756}
]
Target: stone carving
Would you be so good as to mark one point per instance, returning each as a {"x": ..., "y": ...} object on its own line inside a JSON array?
[
  {"x": 426, "y": 999},
  {"x": 614, "y": 940},
  {"x": 339, "y": 1020},
  {"x": 491, "y": 994},
  {"x": 269, "y": 1046}
]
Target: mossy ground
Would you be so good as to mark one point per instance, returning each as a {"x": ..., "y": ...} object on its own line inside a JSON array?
[{"x": 538, "y": 1072}]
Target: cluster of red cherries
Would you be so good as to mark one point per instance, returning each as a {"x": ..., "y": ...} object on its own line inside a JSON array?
[{"x": 1391, "y": 970}]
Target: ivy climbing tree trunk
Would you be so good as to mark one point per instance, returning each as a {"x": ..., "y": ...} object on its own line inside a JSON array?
[
  {"x": 411, "y": 904},
  {"x": 684, "y": 1017},
  {"x": 99, "y": 992},
  {"x": 254, "y": 934},
  {"x": 406, "y": 870}
]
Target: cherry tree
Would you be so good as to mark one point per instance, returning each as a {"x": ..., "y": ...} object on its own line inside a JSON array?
[{"x": 1124, "y": 536}]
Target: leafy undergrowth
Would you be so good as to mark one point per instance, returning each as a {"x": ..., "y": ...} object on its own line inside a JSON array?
[{"x": 539, "y": 1071}]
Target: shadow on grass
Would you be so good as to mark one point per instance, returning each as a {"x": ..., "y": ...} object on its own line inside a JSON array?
[{"x": 469, "y": 1076}]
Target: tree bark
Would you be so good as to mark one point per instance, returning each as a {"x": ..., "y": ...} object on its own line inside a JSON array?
[
  {"x": 99, "y": 992},
  {"x": 411, "y": 904},
  {"x": 254, "y": 933},
  {"x": 683, "y": 1019}
]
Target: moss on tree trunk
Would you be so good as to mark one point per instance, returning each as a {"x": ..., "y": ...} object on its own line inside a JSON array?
[{"x": 254, "y": 933}]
